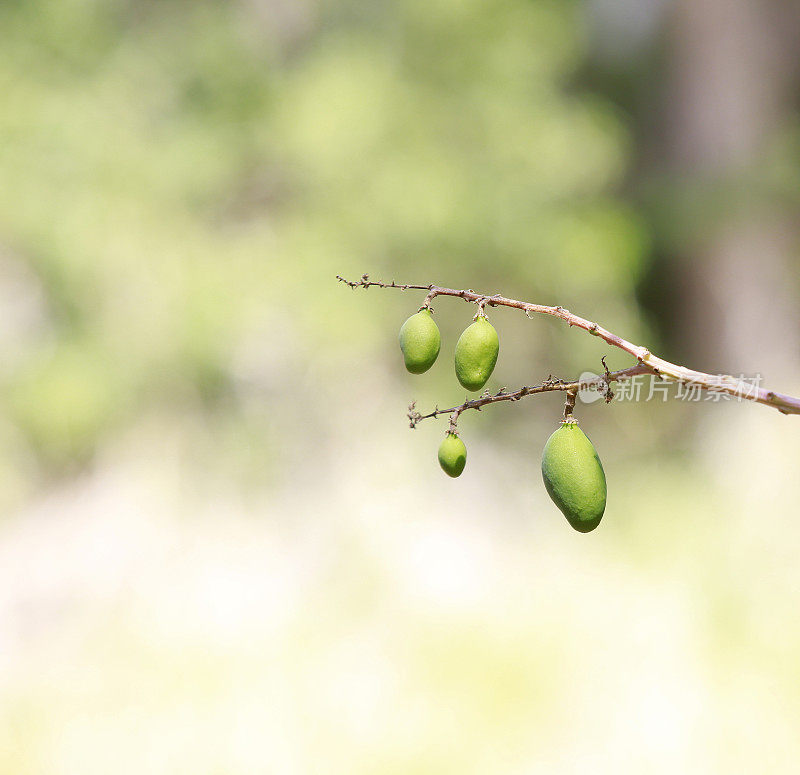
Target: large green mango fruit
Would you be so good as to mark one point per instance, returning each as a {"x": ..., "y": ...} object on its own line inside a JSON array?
[
  {"x": 452, "y": 455},
  {"x": 420, "y": 341},
  {"x": 574, "y": 477},
  {"x": 476, "y": 354}
]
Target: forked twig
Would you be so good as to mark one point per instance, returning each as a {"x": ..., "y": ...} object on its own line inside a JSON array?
[{"x": 550, "y": 385}]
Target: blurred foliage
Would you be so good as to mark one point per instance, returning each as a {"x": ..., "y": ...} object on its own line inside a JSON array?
[
  {"x": 182, "y": 179},
  {"x": 175, "y": 173}
]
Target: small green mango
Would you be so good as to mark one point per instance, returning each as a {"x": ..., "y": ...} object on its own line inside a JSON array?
[
  {"x": 420, "y": 341},
  {"x": 452, "y": 455},
  {"x": 573, "y": 476},
  {"x": 476, "y": 354}
]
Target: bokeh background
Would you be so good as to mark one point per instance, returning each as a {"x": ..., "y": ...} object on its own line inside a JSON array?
[{"x": 222, "y": 551}]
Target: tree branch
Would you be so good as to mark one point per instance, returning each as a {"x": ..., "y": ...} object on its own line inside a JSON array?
[
  {"x": 551, "y": 384},
  {"x": 721, "y": 383}
]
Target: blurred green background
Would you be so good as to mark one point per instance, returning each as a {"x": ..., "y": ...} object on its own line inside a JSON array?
[{"x": 223, "y": 551}]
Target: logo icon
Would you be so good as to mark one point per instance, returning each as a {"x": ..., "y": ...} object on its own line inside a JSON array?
[{"x": 589, "y": 395}]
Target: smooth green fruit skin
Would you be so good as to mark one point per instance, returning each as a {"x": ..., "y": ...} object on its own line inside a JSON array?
[
  {"x": 452, "y": 455},
  {"x": 574, "y": 477},
  {"x": 420, "y": 342},
  {"x": 476, "y": 354}
]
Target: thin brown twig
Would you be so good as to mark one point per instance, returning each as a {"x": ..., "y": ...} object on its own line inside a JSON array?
[
  {"x": 720, "y": 383},
  {"x": 551, "y": 384}
]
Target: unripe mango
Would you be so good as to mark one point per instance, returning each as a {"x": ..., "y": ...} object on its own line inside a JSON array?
[
  {"x": 452, "y": 455},
  {"x": 573, "y": 476},
  {"x": 420, "y": 341},
  {"x": 476, "y": 354}
]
